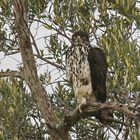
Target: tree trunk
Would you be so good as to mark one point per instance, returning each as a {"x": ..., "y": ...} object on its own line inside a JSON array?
[{"x": 29, "y": 67}]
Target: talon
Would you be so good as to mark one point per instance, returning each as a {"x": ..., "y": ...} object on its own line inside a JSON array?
[
  {"x": 79, "y": 107},
  {"x": 83, "y": 102}
]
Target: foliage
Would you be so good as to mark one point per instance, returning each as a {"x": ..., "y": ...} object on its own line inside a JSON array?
[
  {"x": 112, "y": 25},
  {"x": 19, "y": 115}
]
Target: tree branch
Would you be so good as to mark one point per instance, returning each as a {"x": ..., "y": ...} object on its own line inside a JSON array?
[
  {"x": 91, "y": 110},
  {"x": 49, "y": 62},
  {"x": 10, "y": 73}
]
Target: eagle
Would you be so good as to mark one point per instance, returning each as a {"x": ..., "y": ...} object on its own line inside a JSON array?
[{"x": 86, "y": 69}]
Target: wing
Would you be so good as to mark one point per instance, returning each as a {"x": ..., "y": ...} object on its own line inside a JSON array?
[{"x": 98, "y": 67}]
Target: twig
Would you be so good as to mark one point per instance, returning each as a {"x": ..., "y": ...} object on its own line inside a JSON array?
[
  {"x": 49, "y": 62},
  {"x": 10, "y": 73}
]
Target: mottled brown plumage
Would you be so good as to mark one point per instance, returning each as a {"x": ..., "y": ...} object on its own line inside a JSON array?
[{"x": 86, "y": 68}]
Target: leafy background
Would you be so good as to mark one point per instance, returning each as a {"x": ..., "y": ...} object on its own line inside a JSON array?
[{"x": 113, "y": 25}]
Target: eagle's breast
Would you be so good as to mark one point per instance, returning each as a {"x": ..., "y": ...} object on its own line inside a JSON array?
[{"x": 78, "y": 70}]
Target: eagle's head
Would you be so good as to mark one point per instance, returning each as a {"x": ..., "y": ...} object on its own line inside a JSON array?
[{"x": 80, "y": 38}]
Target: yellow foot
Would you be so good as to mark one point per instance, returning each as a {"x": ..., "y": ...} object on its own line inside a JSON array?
[
  {"x": 79, "y": 107},
  {"x": 82, "y": 103}
]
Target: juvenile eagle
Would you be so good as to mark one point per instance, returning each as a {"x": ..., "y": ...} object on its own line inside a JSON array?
[{"x": 86, "y": 69}]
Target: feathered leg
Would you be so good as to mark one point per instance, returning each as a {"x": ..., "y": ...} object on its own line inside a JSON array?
[{"x": 83, "y": 102}]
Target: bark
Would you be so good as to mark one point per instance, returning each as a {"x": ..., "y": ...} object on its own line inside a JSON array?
[
  {"x": 10, "y": 73},
  {"x": 91, "y": 110}
]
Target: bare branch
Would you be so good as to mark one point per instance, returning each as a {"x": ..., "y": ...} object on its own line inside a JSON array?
[
  {"x": 92, "y": 110},
  {"x": 9, "y": 73},
  {"x": 49, "y": 62},
  {"x": 58, "y": 31}
]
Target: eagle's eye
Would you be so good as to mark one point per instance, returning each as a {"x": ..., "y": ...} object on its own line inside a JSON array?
[{"x": 84, "y": 39}]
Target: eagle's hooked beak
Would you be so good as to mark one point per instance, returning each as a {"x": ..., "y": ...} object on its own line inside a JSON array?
[{"x": 78, "y": 39}]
